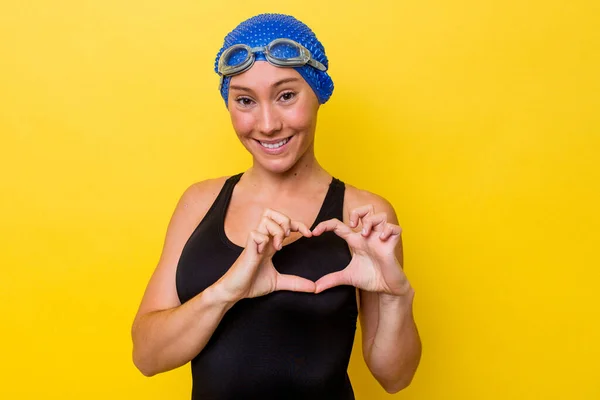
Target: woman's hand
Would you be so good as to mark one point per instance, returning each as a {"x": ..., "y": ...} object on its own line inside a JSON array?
[
  {"x": 253, "y": 273},
  {"x": 374, "y": 266}
]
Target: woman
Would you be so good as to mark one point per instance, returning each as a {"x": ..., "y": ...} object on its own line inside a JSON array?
[{"x": 263, "y": 274}]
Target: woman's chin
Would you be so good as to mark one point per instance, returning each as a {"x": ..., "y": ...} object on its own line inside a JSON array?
[{"x": 276, "y": 166}]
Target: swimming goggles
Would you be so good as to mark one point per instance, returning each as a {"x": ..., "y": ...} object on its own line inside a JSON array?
[{"x": 280, "y": 53}]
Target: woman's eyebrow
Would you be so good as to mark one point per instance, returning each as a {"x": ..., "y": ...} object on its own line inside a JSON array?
[
  {"x": 284, "y": 81},
  {"x": 276, "y": 84},
  {"x": 242, "y": 88}
]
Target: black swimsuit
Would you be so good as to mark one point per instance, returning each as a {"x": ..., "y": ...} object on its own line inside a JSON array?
[{"x": 284, "y": 345}]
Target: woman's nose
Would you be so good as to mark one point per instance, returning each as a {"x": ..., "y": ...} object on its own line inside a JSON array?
[{"x": 269, "y": 121}]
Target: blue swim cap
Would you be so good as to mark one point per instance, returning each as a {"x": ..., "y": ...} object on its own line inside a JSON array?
[{"x": 264, "y": 28}]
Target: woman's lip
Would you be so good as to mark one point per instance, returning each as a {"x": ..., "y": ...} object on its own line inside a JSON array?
[
  {"x": 273, "y": 141},
  {"x": 276, "y": 151}
]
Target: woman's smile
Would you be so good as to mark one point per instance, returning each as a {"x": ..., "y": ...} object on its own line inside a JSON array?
[{"x": 274, "y": 147}]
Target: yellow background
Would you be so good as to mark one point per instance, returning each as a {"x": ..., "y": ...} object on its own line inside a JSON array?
[{"x": 477, "y": 119}]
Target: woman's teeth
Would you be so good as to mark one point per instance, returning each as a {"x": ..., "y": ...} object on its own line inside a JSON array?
[{"x": 275, "y": 145}]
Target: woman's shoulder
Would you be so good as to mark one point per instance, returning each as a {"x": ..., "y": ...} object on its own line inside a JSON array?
[
  {"x": 207, "y": 187},
  {"x": 356, "y": 197},
  {"x": 199, "y": 196}
]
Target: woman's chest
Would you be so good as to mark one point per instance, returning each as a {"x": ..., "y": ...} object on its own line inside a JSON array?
[
  {"x": 241, "y": 217},
  {"x": 206, "y": 258}
]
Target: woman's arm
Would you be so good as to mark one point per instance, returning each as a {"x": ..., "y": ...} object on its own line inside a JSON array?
[
  {"x": 390, "y": 339},
  {"x": 167, "y": 339},
  {"x": 165, "y": 333}
]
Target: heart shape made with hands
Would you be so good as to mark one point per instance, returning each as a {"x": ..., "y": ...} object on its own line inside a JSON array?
[{"x": 374, "y": 266}]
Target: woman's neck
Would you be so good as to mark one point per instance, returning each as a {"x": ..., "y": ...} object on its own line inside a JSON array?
[{"x": 305, "y": 174}]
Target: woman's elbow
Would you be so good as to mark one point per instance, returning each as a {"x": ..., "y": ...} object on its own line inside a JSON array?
[
  {"x": 143, "y": 365},
  {"x": 395, "y": 386}
]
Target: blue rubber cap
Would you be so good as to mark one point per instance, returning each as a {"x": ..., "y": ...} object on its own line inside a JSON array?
[{"x": 264, "y": 28}]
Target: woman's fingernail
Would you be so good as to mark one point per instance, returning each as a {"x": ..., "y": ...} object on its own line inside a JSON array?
[
  {"x": 364, "y": 231},
  {"x": 287, "y": 233}
]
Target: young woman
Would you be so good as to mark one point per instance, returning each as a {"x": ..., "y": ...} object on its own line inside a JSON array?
[{"x": 263, "y": 274}]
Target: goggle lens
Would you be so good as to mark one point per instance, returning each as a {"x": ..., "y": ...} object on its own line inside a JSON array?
[
  {"x": 237, "y": 56},
  {"x": 284, "y": 50}
]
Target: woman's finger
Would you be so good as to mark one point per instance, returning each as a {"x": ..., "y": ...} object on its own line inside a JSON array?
[
  {"x": 282, "y": 219},
  {"x": 268, "y": 226},
  {"x": 288, "y": 225},
  {"x": 297, "y": 226},
  {"x": 333, "y": 225},
  {"x": 390, "y": 230},
  {"x": 331, "y": 280},
  {"x": 294, "y": 283},
  {"x": 359, "y": 213},
  {"x": 257, "y": 241},
  {"x": 374, "y": 222}
]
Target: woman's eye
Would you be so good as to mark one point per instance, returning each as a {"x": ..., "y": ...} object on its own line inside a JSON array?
[
  {"x": 244, "y": 101},
  {"x": 287, "y": 96}
]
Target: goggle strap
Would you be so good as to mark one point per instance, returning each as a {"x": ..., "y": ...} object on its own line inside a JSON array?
[{"x": 317, "y": 64}]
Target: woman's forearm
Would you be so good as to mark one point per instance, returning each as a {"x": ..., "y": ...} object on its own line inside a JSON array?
[
  {"x": 395, "y": 350},
  {"x": 167, "y": 339}
]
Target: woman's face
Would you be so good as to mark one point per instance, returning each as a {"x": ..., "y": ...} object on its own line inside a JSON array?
[{"x": 274, "y": 113}]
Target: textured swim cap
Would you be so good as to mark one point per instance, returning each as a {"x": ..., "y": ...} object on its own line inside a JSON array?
[{"x": 264, "y": 28}]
